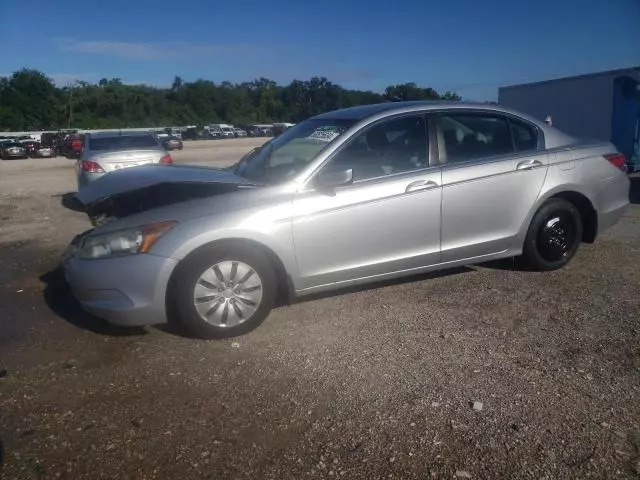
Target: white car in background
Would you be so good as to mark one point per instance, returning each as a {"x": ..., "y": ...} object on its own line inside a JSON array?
[{"x": 228, "y": 132}]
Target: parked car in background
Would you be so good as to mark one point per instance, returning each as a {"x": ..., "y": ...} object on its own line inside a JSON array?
[
  {"x": 29, "y": 146},
  {"x": 192, "y": 133},
  {"x": 10, "y": 149},
  {"x": 239, "y": 132},
  {"x": 251, "y": 130},
  {"x": 172, "y": 143},
  {"x": 72, "y": 145},
  {"x": 278, "y": 129},
  {"x": 51, "y": 139},
  {"x": 344, "y": 198},
  {"x": 175, "y": 132},
  {"x": 228, "y": 132},
  {"x": 106, "y": 152},
  {"x": 43, "y": 151},
  {"x": 214, "y": 132}
]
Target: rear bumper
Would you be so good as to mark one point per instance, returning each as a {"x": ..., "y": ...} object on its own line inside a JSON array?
[
  {"x": 609, "y": 218},
  {"x": 127, "y": 291},
  {"x": 85, "y": 178},
  {"x": 614, "y": 201}
]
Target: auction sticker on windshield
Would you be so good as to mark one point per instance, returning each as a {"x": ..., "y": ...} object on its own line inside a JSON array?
[{"x": 327, "y": 133}]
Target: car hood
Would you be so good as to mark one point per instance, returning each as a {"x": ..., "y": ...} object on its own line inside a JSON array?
[
  {"x": 144, "y": 176},
  {"x": 125, "y": 192}
]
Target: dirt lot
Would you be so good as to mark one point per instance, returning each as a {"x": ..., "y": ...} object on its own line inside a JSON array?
[{"x": 370, "y": 383}]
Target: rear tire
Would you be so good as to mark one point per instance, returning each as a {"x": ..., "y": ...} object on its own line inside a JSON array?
[
  {"x": 553, "y": 237},
  {"x": 222, "y": 291}
]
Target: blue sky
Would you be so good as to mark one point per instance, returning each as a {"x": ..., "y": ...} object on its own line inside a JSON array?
[{"x": 471, "y": 46}]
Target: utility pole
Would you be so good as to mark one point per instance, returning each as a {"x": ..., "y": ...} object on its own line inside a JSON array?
[{"x": 70, "y": 117}]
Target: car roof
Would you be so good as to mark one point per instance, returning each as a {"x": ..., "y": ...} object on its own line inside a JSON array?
[
  {"x": 365, "y": 111},
  {"x": 552, "y": 136}
]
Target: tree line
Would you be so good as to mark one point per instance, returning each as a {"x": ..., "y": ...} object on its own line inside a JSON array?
[{"x": 29, "y": 100}]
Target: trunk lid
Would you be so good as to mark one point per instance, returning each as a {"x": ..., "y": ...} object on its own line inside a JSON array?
[{"x": 125, "y": 159}]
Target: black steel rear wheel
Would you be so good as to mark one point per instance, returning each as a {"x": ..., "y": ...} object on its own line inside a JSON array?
[{"x": 553, "y": 237}]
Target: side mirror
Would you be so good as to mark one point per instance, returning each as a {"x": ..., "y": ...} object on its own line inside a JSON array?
[{"x": 332, "y": 179}]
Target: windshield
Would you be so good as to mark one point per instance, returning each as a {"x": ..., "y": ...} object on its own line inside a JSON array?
[{"x": 282, "y": 157}]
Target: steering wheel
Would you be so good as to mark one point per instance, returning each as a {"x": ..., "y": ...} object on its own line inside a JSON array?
[{"x": 297, "y": 165}]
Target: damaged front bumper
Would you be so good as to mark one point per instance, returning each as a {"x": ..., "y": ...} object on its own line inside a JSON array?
[{"x": 128, "y": 290}]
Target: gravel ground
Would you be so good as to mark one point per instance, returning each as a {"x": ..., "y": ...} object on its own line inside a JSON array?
[{"x": 480, "y": 372}]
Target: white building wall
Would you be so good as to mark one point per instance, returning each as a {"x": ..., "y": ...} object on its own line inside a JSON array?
[{"x": 579, "y": 106}]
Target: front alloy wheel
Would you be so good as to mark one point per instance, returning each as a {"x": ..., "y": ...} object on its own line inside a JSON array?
[
  {"x": 227, "y": 294},
  {"x": 222, "y": 290}
]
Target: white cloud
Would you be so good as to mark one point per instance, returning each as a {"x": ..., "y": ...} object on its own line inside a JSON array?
[{"x": 155, "y": 51}]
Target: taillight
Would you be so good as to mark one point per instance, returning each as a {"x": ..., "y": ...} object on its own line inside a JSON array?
[
  {"x": 91, "y": 167},
  {"x": 166, "y": 159},
  {"x": 617, "y": 160}
]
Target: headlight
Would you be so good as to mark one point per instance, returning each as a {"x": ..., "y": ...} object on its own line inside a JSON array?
[{"x": 123, "y": 242}]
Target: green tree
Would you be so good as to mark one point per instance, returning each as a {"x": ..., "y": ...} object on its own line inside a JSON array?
[{"x": 30, "y": 100}]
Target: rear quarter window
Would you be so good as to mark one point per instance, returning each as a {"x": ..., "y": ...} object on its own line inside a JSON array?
[
  {"x": 125, "y": 142},
  {"x": 525, "y": 136}
]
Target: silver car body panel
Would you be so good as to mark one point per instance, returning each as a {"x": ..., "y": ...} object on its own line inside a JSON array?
[
  {"x": 332, "y": 234},
  {"x": 441, "y": 216}
]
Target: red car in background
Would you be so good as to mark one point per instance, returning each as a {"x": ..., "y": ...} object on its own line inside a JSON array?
[{"x": 72, "y": 146}]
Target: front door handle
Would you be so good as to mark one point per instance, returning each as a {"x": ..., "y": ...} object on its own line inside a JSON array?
[
  {"x": 528, "y": 165},
  {"x": 420, "y": 185}
]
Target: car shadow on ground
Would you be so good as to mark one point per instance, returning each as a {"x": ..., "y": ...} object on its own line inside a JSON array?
[
  {"x": 69, "y": 201},
  {"x": 59, "y": 299},
  {"x": 634, "y": 192},
  {"x": 510, "y": 264},
  {"x": 173, "y": 327}
]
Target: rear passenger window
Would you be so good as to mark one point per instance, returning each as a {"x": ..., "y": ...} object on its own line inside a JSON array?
[
  {"x": 524, "y": 136},
  {"x": 469, "y": 136}
]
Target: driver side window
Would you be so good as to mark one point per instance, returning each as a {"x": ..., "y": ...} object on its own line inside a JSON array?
[{"x": 390, "y": 147}]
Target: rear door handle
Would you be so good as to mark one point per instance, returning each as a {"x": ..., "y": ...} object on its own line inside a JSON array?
[
  {"x": 528, "y": 165},
  {"x": 420, "y": 185}
]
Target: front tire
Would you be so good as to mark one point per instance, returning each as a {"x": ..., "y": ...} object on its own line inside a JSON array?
[
  {"x": 222, "y": 291},
  {"x": 553, "y": 237}
]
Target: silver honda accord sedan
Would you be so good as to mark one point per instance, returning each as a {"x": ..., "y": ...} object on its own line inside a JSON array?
[
  {"x": 347, "y": 197},
  {"x": 104, "y": 152}
]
